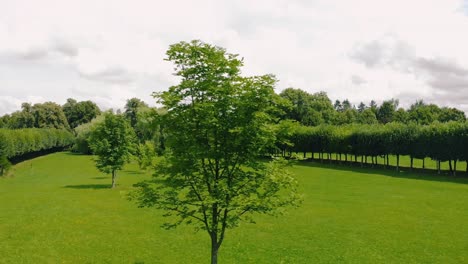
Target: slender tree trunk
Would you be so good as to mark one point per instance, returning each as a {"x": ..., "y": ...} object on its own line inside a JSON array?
[
  {"x": 114, "y": 178},
  {"x": 346, "y": 157},
  {"x": 304, "y": 154},
  {"x": 388, "y": 161},
  {"x": 355, "y": 158},
  {"x": 366, "y": 159},
  {"x": 455, "y": 167},
  {"x": 362, "y": 161},
  {"x": 214, "y": 249},
  {"x": 466, "y": 166},
  {"x": 438, "y": 166},
  {"x": 424, "y": 163},
  {"x": 398, "y": 162},
  {"x": 411, "y": 158},
  {"x": 450, "y": 166}
]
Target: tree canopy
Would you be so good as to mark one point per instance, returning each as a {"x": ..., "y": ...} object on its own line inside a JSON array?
[{"x": 218, "y": 126}]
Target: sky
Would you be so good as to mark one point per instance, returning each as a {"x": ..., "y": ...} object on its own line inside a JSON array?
[{"x": 109, "y": 51}]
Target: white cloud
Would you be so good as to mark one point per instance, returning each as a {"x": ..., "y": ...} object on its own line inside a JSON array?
[{"x": 109, "y": 51}]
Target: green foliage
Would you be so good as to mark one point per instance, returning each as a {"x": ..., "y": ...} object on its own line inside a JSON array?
[
  {"x": 308, "y": 109},
  {"x": 217, "y": 125},
  {"x": 83, "y": 133},
  {"x": 18, "y": 142},
  {"x": 112, "y": 140},
  {"x": 439, "y": 141},
  {"x": 78, "y": 113},
  {"x": 132, "y": 107},
  {"x": 145, "y": 154}
]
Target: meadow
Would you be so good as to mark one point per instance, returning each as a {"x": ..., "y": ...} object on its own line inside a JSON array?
[{"x": 59, "y": 209}]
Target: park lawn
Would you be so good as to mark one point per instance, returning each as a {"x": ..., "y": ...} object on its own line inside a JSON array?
[{"x": 59, "y": 209}]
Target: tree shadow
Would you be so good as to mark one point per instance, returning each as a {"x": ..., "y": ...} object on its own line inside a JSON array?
[
  {"x": 89, "y": 186},
  {"x": 133, "y": 172},
  {"x": 99, "y": 178},
  {"x": 390, "y": 171}
]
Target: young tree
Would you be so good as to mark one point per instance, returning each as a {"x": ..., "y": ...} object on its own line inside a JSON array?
[
  {"x": 112, "y": 141},
  {"x": 217, "y": 127}
]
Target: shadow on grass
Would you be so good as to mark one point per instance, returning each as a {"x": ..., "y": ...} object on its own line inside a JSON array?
[
  {"x": 390, "y": 171},
  {"x": 133, "y": 172},
  {"x": 71, "y": 153},
  {"x": 89, "y": 186},
  {"x": 99, "y": 178}
]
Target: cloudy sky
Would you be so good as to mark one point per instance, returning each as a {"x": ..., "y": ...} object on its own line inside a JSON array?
[{"x": 110, "y": 51}]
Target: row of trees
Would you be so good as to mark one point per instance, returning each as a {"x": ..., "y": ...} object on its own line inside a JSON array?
[
  {"x": 51, "y": 115},
  {"x": 294, "y": 104},
  {"x": 438, "y": 141},
  {"x": 19, "y": 142},
  {"x": 316, "y": 109}
]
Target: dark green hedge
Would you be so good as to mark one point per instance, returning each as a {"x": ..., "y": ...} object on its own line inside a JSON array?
[{"x": 438, "y": 141}]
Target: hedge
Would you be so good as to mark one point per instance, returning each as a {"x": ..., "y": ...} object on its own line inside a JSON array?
[{"x": 438, "y": 141}]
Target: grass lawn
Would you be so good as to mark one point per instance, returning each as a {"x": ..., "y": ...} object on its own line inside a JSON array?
[{"x": 59, "y": 209}]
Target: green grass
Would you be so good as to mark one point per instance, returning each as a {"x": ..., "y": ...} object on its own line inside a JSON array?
[{"x": 58, "y": 209}]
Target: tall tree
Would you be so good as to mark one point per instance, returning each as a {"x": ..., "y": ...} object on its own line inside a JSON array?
[
  {"x": 385, "y": 113},
  {"x": 112, "y": 141},
  {"x": 78, "y": 113},
  {"x": 49, "y": 115},
  {"x": 218, "y": 126},
  {"x": 132, "y": 107},
  {"x": 362, "y": 106}
]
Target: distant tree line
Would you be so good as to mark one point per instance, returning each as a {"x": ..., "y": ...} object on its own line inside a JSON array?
[
  {"x": 51, "y": 115},
  {"x": 316, "y": 109},
  {"x": 438, "y": 141},
  {"x": 304, "y": 122}
]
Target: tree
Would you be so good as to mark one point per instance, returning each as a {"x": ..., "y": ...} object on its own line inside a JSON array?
[
  {"x": 367, "y": 117},
  {"x": 338, "y": 106},
  {"x": 451, "y": 114},
  {"x": 362, "y": 106},
  {"x": 78, "y": 113},
  {"x": 385, "y": 113},
  {"x": 132, "y": 107},
  {"x": 401, "y": 116},
  {"x": 217, "y": 128},
  {"x": 423, "y": 113},
  {"x": 49, "y": 115},
  {"x": 112, "y": 141}
]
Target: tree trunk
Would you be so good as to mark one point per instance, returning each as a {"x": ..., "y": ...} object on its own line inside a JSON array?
[
  {"x": 450, "y": 166},
  {"x": 355, "y": 158},
  {"x": 455, "y": 167},
  {"x": 366, "y": 159},
  {"x": 411, "y": 158},
  {"x": 214, "y": 250},
  {"x": 466, "y": 166},
  {"x": 362, "y": 161},
  {"x": 388, "y": 162},
  {"x": 114, "y": 176},
  {"x": 346, "y": 157},
  {"x": 438, "y": 166},
  {"x": 424, "y": 163},
  {"x": 398, "y": 162}
]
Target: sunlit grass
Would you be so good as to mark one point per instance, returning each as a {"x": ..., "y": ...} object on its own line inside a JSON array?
[{"x": 59, "y": 209}]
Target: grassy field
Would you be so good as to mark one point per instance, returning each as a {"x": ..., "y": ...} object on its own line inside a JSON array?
[{"x": 59, "y": 209}]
